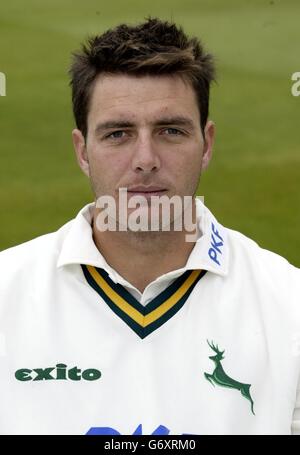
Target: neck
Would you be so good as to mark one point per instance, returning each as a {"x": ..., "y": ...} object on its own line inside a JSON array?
[{"x": 141, "y": 257}]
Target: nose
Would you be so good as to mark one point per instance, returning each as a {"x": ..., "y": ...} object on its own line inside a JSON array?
[{"x": 145, "y": 158}]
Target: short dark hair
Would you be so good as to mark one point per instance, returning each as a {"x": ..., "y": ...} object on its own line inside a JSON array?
[{"x": 154, "y": 47}]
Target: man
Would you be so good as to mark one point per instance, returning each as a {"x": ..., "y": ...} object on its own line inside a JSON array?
[{"x": 121, "y": 330}]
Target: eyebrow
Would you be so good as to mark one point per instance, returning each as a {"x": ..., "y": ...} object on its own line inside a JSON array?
[{"x": 163, "y": 121}]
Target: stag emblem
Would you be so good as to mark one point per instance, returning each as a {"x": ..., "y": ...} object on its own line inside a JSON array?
[{"x": 219, "y": 376}]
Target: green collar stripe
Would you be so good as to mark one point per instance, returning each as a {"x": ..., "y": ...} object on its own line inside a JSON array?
[{"x": 110, "y": 292}]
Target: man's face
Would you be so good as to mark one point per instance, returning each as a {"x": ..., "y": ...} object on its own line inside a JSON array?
[{"x": 144, "y": 135}]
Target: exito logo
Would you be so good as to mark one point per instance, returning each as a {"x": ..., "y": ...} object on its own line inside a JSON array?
[
  {"x": 59, "y": 372},
  {"x": 2, "y": 84}
]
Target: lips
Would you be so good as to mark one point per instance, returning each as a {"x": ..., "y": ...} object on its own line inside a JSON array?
[{"x": 147, "y": 190}]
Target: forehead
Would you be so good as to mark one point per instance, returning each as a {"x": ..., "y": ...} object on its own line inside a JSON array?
[{"x": 141, "y": 97}]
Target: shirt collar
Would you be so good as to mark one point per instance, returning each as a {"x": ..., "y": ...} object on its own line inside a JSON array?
[{"x": 211, "y": 251}]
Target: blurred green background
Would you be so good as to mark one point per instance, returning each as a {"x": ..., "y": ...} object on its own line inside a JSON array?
[{"x": 252, "y": 184}]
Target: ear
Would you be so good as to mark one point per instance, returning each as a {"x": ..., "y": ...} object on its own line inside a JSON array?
[
  {"x": 209, "y": 137},
  {"x": 81, "y": 152}
]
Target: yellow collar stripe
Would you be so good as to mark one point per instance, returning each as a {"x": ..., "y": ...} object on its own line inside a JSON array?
[
  {"x": 142, "y": 319},
  {"x": 139, "y": 318},
  {"x": 115, "y": 297}
]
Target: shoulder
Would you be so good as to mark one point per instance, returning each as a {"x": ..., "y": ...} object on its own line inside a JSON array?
[
  {"x": 33, "y": 253},
  {"x": 271, "y": 267}
]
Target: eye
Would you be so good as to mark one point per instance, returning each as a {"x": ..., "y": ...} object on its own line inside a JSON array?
[
  {"x": 115, "y": 135},
  {"x": 173, "y": 132}
]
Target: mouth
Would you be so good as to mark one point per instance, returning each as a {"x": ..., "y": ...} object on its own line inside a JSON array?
[{"x": 147, "y": 191}]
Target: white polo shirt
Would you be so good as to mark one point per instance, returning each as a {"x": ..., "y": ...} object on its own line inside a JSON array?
[{"x": 212, "y": 348}]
